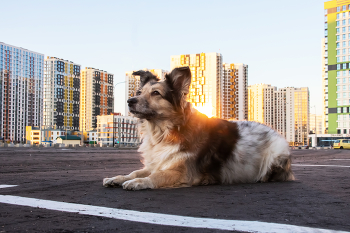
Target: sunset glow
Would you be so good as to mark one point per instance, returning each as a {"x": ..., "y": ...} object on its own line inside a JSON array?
[{"x": 207, "y": 110}]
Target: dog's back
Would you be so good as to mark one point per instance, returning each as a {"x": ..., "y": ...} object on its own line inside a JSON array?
[{"x": 261, "y": 154}]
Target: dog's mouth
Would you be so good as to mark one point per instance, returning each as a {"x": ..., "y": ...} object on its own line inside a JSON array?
[
  {"x": 143, "y": 115},
  {"x": 135, "y": 112}
]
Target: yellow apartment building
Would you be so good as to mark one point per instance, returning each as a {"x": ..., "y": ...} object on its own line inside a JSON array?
[
  {"x": 205, "y": 90},
  {"x": 33, "y": 135}
]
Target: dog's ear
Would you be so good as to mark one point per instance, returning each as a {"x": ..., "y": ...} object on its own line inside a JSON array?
[
  {"x": 179, "y": 80},
  {"x": 145, "y": 77}
]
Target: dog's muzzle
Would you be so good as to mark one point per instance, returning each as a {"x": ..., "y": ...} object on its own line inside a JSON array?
[{"x": 132, "y": 101}]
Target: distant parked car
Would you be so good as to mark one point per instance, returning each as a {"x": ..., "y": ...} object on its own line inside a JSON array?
[{"x": 341, "y": 144}]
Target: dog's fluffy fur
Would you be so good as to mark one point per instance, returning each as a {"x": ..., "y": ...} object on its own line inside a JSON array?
[{"x": 182, "y": 147}]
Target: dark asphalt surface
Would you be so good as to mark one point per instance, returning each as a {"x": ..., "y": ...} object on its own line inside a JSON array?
[{"x": 319, "y": 198}]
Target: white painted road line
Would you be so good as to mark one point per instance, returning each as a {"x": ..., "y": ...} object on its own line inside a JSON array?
[
  {"x": 339, "y": 159},
  {"x": 318, "y": 165},
  {"x": 2, "y": 186},
  {"x": 160, "y": 219}
]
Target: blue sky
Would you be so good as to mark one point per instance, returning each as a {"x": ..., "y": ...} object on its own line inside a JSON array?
[{"x": 279, "y": 40}]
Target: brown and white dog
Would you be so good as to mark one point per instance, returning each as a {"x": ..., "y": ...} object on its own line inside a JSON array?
[{"x": 182, "y": 147}]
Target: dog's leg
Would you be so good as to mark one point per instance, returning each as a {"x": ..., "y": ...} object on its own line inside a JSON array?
[
  {"x": 119, "y": 180},
  {"x": 160, "y": 179}
]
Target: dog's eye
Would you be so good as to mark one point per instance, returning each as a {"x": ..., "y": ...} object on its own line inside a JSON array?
[
  {"x": 155, "y": 93},
  {"x": 138, "y": 93}
]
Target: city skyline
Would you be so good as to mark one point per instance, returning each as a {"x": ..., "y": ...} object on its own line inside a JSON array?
[{"x": 281, "y": 44}]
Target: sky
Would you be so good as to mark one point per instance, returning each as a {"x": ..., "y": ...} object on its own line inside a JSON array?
[{"x": 280, "y": 41}]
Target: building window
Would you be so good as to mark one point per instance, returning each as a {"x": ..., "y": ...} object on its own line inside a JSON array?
[
  {"x": 338, "y": 23},
  {"x": 338, "y": 110},
  {"x": 338, "y": 59},
  {"x": 338, "y": 38},
  {"x": 343, "y": 22},
  {"x": 344, "y": 58},
  {"x": 344, "y": 36},
  {"x": 344, "y": 9},
  {"x": 337, "y": 16},
  {"x": 338, "y": 9},
  {"x": 338, "y": 44},
  {"x": 344, "y": 30}
]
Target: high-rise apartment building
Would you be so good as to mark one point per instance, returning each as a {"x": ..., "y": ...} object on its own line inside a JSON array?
[
  {"x": 132, "y": 84},
  {"x": 285, "y": 109},
  {"x": 234, "y": 94},
  {"x": 96, "y": 97},
  {"x": 324, "y": 87},
  {"x": 336, "y": 66},
  {"x": 256, "y": 102},
  {"x": 205, "y": 93},
  {"x": 21, "y": 83},
  {"x": 61, "y": 94}
]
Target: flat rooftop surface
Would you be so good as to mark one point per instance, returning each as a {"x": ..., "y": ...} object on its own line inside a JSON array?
[{"x": 50, "y": 181}]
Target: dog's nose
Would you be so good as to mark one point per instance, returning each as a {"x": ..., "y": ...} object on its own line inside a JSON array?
[{"x": 132, "y": 101}]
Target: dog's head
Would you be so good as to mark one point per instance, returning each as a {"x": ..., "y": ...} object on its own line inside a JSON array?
[{"x": 159, "y": 100}]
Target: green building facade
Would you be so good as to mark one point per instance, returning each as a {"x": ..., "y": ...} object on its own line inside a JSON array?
[{"x": 337, "y": 66}]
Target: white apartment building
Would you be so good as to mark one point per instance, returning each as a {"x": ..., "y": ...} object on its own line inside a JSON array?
[
  {"x": 207, "y": 75},
  {"x": 117, "y": 128},
  {"x": 61, "y": 94},
  {"x": 21, "y": 80},
  {"x": 234, "y": 95},
  {"x": 50, "y": 135},
  {"x": 132, "y": 84},
  {"x": 285, "y": 109},
  {"x": 92, "y": 136}
]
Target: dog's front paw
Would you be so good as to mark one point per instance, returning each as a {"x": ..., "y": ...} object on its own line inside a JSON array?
[
  {"x": 138, "y": 183},
  {"x": 114, "y": 181}
]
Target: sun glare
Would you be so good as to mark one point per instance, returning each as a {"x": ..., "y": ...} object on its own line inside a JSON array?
[{"x": 206, "y": 110}]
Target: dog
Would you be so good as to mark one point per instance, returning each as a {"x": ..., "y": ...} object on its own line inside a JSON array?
[{"x": 182, "y": 147}]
